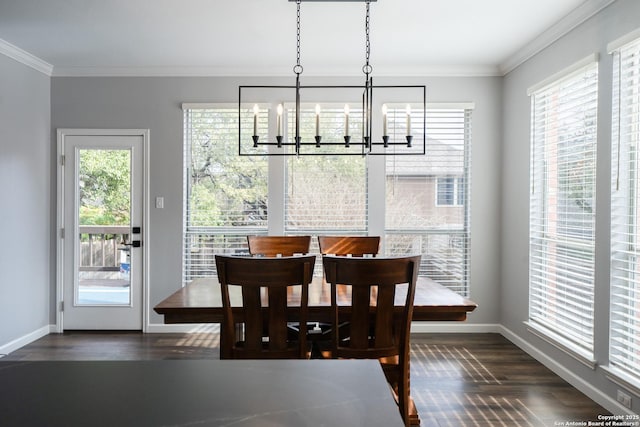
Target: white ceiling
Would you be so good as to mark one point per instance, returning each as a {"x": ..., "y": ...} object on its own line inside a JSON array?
[{"x": 257, "y": 37}]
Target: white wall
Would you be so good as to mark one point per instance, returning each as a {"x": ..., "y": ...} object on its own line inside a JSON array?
[
  {"x": 155, "y": 103},
  {"x": 592, "y": 36},
  {"x": 25, "y": 191}
]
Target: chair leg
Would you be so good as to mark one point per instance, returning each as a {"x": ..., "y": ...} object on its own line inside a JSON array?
[
  {"x": 414, "y": 418},
  {"x": 315, "y": 351}
]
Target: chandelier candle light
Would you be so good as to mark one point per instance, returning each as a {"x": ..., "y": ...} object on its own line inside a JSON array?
[{"x": 292, "y": 127}]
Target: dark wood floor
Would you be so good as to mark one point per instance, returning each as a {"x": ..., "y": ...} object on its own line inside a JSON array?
[{"x": 456, "y": 379}]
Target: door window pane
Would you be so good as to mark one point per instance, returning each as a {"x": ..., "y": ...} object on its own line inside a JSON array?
[{"x": 104, "y": 207}]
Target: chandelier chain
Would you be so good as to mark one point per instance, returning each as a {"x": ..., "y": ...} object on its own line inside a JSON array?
[
  {"x": 288, "y": 127},
  {"x": 298, "y": 68},
  {"x": 367, "y": 69}
]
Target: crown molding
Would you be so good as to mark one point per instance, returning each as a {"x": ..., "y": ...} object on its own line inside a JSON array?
[
  {"x": 25, "y": 58},
  {"x": 438, "y": 71},
  {"x": 382, "y": 71},
  {"x": 576, "y": 17},
  {"x": 164, "y": 71}
]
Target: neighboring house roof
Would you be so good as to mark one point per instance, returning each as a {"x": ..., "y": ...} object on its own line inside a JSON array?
[{"x": 441, "y": 158}]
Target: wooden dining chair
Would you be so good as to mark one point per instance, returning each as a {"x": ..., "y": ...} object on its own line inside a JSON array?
[
  {"x": 271, "y": 246},
  {"x": 349, "y": 245},
  {"x": 357, "y": 246},
  {"x": 363, "y": 293},
  {"x": 274, "y": 291}
]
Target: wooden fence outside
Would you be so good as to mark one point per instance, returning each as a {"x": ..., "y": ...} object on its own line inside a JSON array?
[{"x": 101, "y": 246}]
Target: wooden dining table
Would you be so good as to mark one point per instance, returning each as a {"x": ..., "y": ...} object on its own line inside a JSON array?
[{"x": 201, "y": 302}]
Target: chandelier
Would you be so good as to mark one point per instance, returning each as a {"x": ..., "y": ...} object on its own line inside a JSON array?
[{"x": 342, "y": 122}]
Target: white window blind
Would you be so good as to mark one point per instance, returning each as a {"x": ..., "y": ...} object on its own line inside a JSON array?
[
  {"x": 225, "y": 195},
  {"x": 624, "y": 345},
  {"x": 427, "y": 197},
  {"x": 325, "y": 194},
  {"x": 562, "y": 209}
]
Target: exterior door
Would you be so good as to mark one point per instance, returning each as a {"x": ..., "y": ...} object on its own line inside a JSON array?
[{"x": 102, "y": 186}]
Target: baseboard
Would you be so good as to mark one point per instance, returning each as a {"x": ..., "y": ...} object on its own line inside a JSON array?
[
  {"x": 590, "y": 391},
  {"x": 26, "y": 339},
  {"x": 454, "y": 328},
  {"x": 157, "y": 328}
]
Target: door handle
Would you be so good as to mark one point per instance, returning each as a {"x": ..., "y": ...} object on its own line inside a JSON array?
[{"x": 134, "y": 243}]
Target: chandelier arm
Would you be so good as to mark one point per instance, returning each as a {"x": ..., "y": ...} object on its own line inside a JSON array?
[{"x": 297, "y": 120}]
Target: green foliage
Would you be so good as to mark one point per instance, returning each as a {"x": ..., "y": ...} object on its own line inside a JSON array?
[
  {"x": 105, "y": 187},
  {"x": 205, "y": 210},
  {"x": 229, "y": 190},
  {"x": 225, "y": 189}
]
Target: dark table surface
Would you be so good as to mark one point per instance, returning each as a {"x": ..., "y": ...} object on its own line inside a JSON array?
[
  {"x": 200, "y": 302},
  {"x": 294, "y": 393}
]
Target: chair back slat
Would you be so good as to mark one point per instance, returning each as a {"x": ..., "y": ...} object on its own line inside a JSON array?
[
  {"x": 265, "y": 313},
  {"x": 359, "y": 319},
  {"x": 384, "y": 333},
  {"x": 271, "y": 246},
  {"x": 277, "y": 328},
  {"x": 349, "y": 245},
  {"x": 252, "y": 313}
]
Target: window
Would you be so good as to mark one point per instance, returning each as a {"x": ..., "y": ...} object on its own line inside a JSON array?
[
  {"x": 624, "y": 344},
  {"x": 450, "y": 191},
  {"x": 326, "y": 194},
  {"x": 425, "y": 209},
  {"x": 427, "y": 197},
  {"x": 225, "y": 194},
  {"x": 562, "y": 209}
]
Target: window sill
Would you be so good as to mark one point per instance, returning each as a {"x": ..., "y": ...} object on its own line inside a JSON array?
[
  {"x": 622, "y": 379},
  {"x": 562, "y": 344}
]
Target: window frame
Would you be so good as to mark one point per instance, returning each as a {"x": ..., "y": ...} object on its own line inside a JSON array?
[
  {"x": 553, "y": 270},
  {"x": 374, "y": 182},
  {"x": 328, "y": 117},
  {"x": 624, "y": 271},
  {"x": 457, "y": 193},
  {"x": 448, "y": 128},
  {"x": 232, "y": 236}
]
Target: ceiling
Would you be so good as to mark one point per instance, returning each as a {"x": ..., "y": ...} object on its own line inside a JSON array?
[{"x": 258, "y": 37}]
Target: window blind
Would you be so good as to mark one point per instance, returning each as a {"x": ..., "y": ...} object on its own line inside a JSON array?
[
  {"x": 427, "y": 197},
  {"x": 225, "y": 195},
  {"x": 624, "y": 344},
  {"x": 562, "y": 209},
  {"x": 325, "y": 194}
]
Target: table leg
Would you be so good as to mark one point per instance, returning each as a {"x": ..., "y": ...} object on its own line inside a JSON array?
[{"x": 414, "y": 418}]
